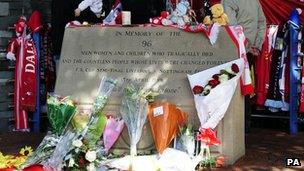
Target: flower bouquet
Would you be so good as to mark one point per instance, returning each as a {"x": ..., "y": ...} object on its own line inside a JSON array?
[
  {"x": 165, "y": 119},
  {"x": 213, "y": 90},
  {"x": 60, "y": 112},
  {"x": 134, "y": 113},
  {"x": 112, "y": 131},
  {"x": 89, "y": 135},
  {"x": 186, "y": 140},
  {"x": 13, "y": 162},
  {"x": 208, "y": 138}
]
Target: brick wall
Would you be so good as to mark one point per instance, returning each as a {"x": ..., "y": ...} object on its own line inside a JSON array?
[{"x": 10, "y": 11}]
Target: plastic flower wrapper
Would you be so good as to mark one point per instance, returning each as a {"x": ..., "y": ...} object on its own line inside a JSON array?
[
  {"x": 134, "y": 113},
  {"x": 54, "y": 162},
  {"x": 95, "y": 130},
  {"x": 105, "y": 88},
  {"x": 43, "y": 151},
  {"x": 175, "y": 160},
  {"x": 186, "y": 140},
  {"x": 98, "y": 120},
  {"x": 80, "y": 121},
  {"x": 60, "y": 111},
  {"x": 112, "y": 131},
  {"x": 165, "y": 119},
  {"x": 213, "y": 92}
]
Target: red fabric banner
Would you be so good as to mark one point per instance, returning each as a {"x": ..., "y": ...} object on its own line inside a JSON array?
[{"x": 278, "y": 11}]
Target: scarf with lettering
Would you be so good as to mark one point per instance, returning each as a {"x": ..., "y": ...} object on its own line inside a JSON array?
[{"x": 22, "y": 50}]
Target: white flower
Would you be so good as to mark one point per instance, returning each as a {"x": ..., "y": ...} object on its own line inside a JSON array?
[
  {"x": 71, "y": 162},
  {"x": 77, "y": 143},
  {"x": 223, "y": 78},
  {"x": 91, "y": 167},
  {"x": 90, "y": 156}
]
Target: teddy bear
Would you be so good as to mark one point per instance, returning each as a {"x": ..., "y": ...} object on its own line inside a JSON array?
[
  {"x": 180, "y": 16},
  {"x": 218, "y": 15}
]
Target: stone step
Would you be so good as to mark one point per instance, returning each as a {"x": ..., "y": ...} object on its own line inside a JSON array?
[
  {"x": 5, "y": 90},
  {"x": 6, "y": 65},
  {"x": 5, "y": 106},
  {"x": 6, "y": 34},
  {"x": 6, "y": 114},
  {"x": 7, "y": 74},
  {"x": 2, "y": 55}
]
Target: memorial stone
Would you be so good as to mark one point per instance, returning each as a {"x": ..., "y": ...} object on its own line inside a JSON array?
[{"x": 157, "y": 58}]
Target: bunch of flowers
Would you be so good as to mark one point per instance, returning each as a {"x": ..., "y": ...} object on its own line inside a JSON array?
[
  {"x": 221, "y": 77},
  {"x": 186, "y": 140},
  {"x": 60, "y": 112},
  {"x": 112, "y": 131},
  {"x": 10, "y": 161},
  {"x": 134, "y": 113},
  {"x": 82, "y": 158},
  {"x": 88, "y": 134},
  {"x": 208, "y": 138}
]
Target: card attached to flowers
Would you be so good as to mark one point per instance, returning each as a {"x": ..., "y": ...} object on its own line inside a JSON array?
[{"x": 213, "y": 90}]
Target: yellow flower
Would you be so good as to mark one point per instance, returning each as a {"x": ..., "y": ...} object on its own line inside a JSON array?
[
  {"x": 26, "y": 151},
  {"x": 18, "y": 161},
  {"x": 3, "y": 162}
]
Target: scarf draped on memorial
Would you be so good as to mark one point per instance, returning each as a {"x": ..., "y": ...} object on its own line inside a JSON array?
[
  {"x": 237, "y": 35},
  {"x": 22, "y": 49},
  {"x": 212, "y": 107}
]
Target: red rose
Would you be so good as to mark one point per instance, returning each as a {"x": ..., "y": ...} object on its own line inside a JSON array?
[
  {"x": 198, "y": 89},
  {"x": 81, "y": 161},
  {"x": 235, "y": 68},
  {"x": 213, "y": 83},
  {"x": 216, "y": 76}
]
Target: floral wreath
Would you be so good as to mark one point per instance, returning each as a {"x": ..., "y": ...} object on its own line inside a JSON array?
[{"x": 223, "y": 76}]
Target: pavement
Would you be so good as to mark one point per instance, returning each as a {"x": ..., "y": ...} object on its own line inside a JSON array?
[{"x": 266, "y": 150}]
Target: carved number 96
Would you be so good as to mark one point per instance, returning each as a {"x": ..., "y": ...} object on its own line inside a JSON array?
[{"x": 146, "y": 43}]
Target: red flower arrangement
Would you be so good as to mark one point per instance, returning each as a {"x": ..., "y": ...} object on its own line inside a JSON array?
[
  {"x": 223, "y": 76},
  {"x": 208, "y": 136}
]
